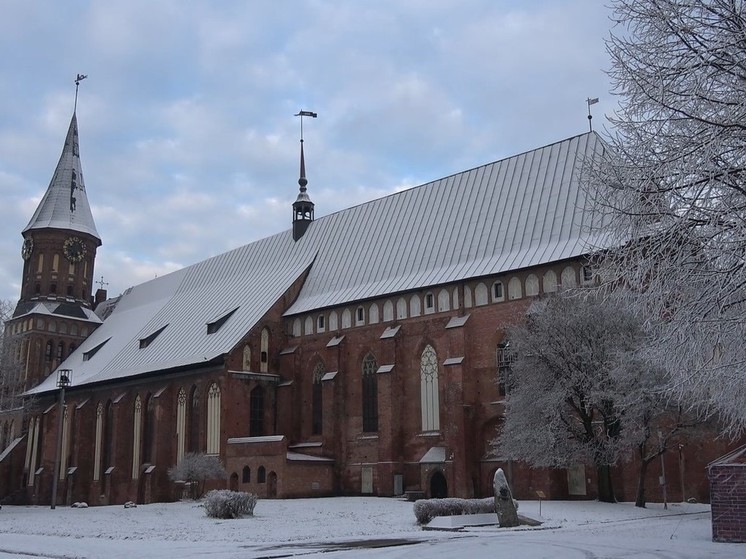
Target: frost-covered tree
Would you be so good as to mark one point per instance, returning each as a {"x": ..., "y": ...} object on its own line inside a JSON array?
[
  {"x": 8, "y": 374},
  {"x": 676, "y": 191},
  {"x": 579, "y": 391},
  {"x": 195, "y": 468}
]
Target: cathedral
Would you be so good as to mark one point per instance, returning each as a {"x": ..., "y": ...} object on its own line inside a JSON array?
[{"x": 359, "y": 353}]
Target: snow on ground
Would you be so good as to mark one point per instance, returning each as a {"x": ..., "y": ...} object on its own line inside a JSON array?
[{"x": 358, "y": 527}]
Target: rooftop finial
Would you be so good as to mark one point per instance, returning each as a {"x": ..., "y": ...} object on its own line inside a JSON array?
[
  {"x": 302, "y": 180},
  {"x": 590, "y": 116},
  {"x": 78, "y": 79}
]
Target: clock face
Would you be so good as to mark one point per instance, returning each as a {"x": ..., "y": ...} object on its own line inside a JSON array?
[
  {"x": 27, "y": 248},
  {"x": 74, "y": 249}
]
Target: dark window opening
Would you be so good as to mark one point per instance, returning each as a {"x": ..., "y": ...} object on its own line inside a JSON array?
[
  {"x": 505, "y": 358},
  {"x": 370, "y": 395},
  {"x": 317, "y": 403},
  {"x": 256, "y": 412},
  {"x": 246, "y": 475},
  {"x": 261, "y": 475},
  {"x": 193, "y": 418},
  {"x": 148, "y": 431}
]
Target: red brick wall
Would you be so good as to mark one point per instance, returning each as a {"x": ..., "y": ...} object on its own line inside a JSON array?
[{"x": 728, "y": 500}]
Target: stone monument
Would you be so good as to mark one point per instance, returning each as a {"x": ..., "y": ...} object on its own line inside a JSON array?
[{"x": 505, "y": 506}]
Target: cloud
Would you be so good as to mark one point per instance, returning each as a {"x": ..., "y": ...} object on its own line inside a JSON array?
[{"x": 188, "y": 141}]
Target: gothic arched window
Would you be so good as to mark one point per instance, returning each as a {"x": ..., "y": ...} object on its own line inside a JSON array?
[
  {"x": 429, "y": 399},
  {"x": 317, "y": 403},
  {"x": 256, "y": 412},
  {"x": 370, "y": 394}
]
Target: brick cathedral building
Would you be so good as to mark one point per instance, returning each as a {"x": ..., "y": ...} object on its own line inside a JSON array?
[{"x": 356, "y": 354}]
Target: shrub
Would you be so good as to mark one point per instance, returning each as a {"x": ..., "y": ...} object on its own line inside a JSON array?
[
  {"x": 224, "y": 503},
  {"x": 427, "y": 509},
  {"x": 195, "y": 468}
]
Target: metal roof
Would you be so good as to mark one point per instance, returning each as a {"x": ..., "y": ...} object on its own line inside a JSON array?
[
  {"x": 522, "y": 211},
  {"x": 515, "y": 213},
  {"x": 65, "y": 203}
]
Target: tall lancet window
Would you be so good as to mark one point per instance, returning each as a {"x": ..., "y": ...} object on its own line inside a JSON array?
[
  {"x": 429, "y": 400},
  {"x": 98, "y": 445},
  {"x": 213, "y": 419},
  {"x": 370, "y": 394},
  {"x": 136, "y": 437},
  {"x": 181, "y": 406},
  {"x": 264, "y": 355},
  {"x": 317, "y": 403}
]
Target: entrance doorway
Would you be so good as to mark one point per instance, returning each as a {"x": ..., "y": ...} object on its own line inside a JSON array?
[
  {"x": 438, "y": 486},
  {"x": 272, "y": 485}
]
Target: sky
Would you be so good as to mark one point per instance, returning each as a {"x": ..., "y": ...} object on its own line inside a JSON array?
[
  {"x": 188, "y": 140},
  {"x": 360, "y": 527}
]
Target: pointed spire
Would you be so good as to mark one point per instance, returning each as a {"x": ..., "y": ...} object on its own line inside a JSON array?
[
  {"x": 302, "y": 207},
  {"x": 302, "y": 180},
  {"x": 65, "y": 203}
]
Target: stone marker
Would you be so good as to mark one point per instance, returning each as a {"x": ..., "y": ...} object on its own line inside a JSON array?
[{"x": 507, "y": 514}]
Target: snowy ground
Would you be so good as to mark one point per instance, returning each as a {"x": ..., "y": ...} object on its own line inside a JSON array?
[{"x": 358, "y": 527}]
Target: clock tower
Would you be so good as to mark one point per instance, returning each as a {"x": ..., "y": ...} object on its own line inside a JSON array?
[{"x": 55, "y": 311}]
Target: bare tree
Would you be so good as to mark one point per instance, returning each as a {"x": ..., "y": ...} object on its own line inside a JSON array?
[
  {"x": 195, "y": 468},
  {"x": 580, "y": 392},
  {"x": 676, "y": 191}
]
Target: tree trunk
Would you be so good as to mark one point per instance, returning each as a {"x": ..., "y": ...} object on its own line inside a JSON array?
[
  {"x": 640, "y": 499},
  {"x": 605, "y": 487}
]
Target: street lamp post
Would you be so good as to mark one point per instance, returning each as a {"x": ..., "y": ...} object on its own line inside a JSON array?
[{"x": 64, "y": 379}]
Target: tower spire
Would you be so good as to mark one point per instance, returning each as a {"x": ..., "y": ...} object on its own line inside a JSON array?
[
  {"x": 65, "y": 203},
  {"x": 302, "y": 207}
]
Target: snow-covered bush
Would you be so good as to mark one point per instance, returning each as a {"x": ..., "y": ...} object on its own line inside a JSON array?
[
  {"x": 427, "y": 509},
  {"x": 194, "y": 468},
  {"x": 224, "y": 503}
]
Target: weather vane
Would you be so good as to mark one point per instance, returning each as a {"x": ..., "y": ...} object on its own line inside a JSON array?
[
  {"x": 78, "y": 79},
  {"x": 301, "y": 114},
  {"x": 590, "y": 116}
]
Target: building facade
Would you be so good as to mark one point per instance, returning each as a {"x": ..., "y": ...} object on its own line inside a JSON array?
[{"x": 355, "y": 354}]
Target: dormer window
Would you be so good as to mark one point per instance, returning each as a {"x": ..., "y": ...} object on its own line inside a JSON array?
[
  {"x": 91, "y": 352},
  {"x": 215, "y": 324},
  {"x": 146, "y": 341}
]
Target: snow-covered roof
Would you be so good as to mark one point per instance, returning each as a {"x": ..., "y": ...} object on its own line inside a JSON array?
[
  {"x": 298, "y": 457},
  {"x": 165, "y": 322},
  {"x": 56, "y": 308},
  {"x": 522, "y": 211},
  {"x": 436, "y": 455},
  {"x": 8, "y": 449},
  {"x": 65, "y": 203}
]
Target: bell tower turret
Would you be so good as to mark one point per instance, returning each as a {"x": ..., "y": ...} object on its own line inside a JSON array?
[{"x": 302, "y": 207}]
